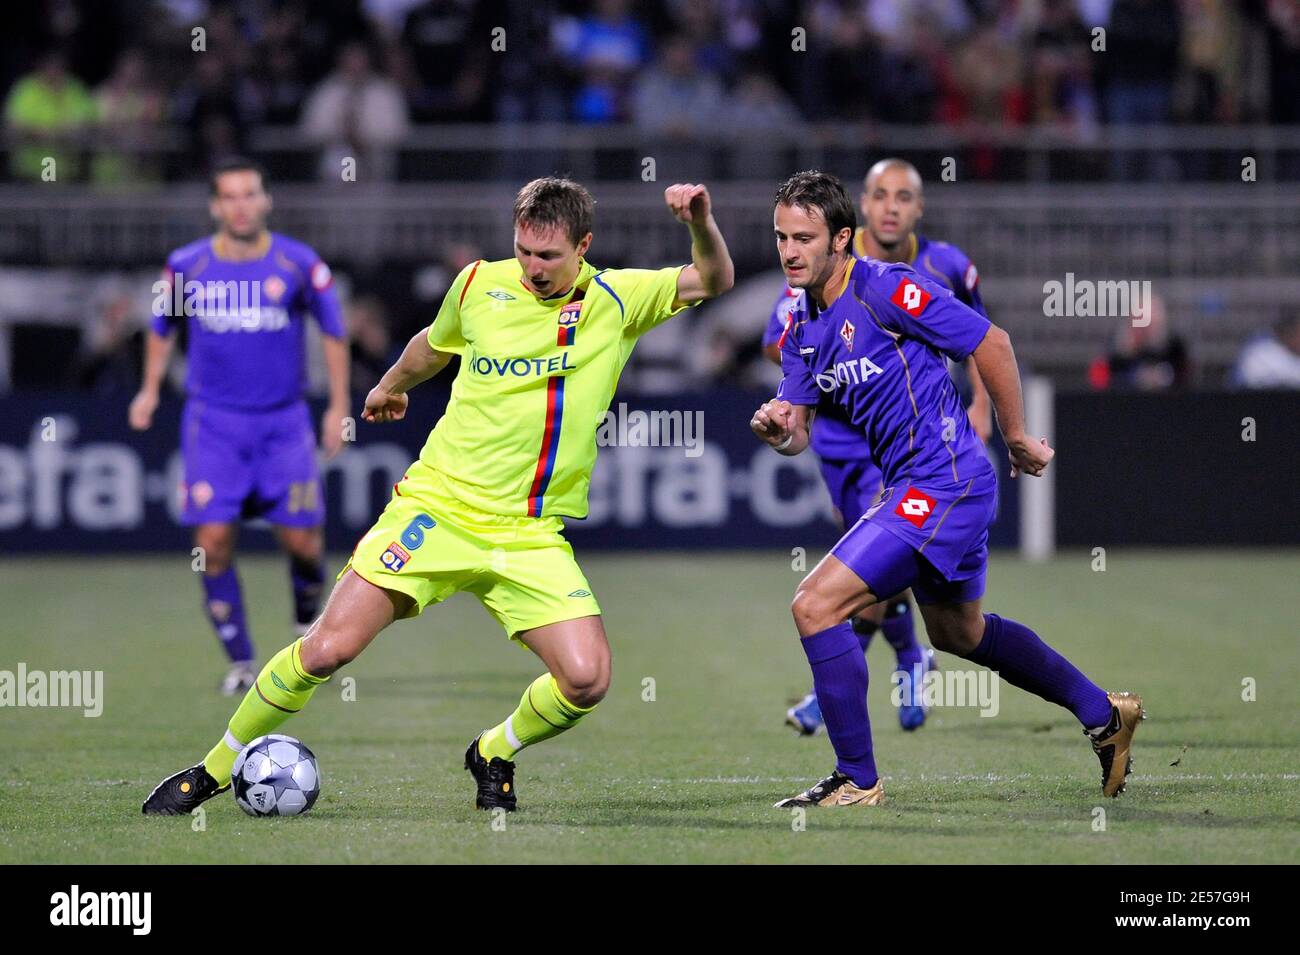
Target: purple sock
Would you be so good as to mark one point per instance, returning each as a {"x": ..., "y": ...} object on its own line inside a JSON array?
[
  {"x": 899, "y": 627},
  {"x": 839, "y": 671},
  {"x": 865, "y": 630},
  {"x": 225, "y": 605},
  {"x": 1024, "y": 660},
  {"x": 308, "y": 578}
]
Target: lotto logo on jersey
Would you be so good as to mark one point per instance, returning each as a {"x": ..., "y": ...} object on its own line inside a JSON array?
[
  {"x": 846, "y": 333},
  {"x": 916, "y": 506},
  {"x": 910, "y": 297},
  {"x": 569, "y": 317},
  {"x": 395, "y": 557}
]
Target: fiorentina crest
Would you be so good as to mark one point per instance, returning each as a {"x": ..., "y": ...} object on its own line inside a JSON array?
[{"x": 846, "y": 333}]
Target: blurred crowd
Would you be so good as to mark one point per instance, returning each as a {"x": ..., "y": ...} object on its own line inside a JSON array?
[{"x": 351, "y": 77}]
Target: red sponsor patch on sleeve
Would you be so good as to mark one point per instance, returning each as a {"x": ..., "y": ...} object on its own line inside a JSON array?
[
  {"x": 910, "y": 297},
  {"x": 321, "y": 278}
]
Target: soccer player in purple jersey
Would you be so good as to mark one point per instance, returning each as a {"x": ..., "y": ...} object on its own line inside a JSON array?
[
  {"x": 891, "y": 204},
  {"x": 246, "y": 434},
  {"x": 871, "y": 337}
]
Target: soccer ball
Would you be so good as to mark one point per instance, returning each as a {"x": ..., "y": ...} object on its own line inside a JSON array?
[{"x": 275, "y": 775}]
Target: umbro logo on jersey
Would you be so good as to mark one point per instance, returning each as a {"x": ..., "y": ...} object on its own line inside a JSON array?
[
  {"x": 846, "y": 333},
  {"x": 581, "y": 593},
  {"x": 910, "y": 297},
  {"x": 916, "y": 506},
  {"x": 501, "y": 295}
]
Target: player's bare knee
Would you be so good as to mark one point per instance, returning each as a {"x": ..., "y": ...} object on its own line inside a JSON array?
[
  {"x": 584, "y": 683},
  {"x": 953, "y": 634},
  {"x": 811, "y": 611},
  {"x": 307, "y": 548},
  {"x": 217, "y": 545},
  {"x": 324, "y": 650}
]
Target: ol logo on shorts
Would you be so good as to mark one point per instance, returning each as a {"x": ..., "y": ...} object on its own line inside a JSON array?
[{"x": 397, "y": 555}]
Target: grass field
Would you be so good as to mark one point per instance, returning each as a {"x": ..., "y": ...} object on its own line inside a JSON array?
[{"x": 691, "y": 776}]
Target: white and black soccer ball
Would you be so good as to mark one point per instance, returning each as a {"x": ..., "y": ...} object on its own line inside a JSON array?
[{"x": 275, "y": 775}]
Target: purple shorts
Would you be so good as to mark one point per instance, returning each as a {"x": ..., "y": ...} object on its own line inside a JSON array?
[
  {"x": 245, "y": 464},
  {"x": 853, "y": 484},
  {"x": 931, "y": 539}
]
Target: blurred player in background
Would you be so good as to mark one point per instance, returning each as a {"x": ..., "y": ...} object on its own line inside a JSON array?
[
  {"x": 246, "y": 433},
  {"x": 543, "y": 338},
  {"x": 891, "y": 204},
  {"x": 871, "y": 337}
]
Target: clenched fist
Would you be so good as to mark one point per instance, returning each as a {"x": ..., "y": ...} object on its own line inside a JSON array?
[
  {"x": 773, "y": 422},
  {"x": 688, "y": 202}
]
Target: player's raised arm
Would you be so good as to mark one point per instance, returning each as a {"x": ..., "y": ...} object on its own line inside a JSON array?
[
  {"x": 711, "y": 271},
  {"x": 419, "y": 362},
  {"x": 996, "y": 361}
]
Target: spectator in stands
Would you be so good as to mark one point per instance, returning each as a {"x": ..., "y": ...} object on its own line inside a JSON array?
[
  {"x": 130, "y": 112},
  {"x": 370, "y": 341},
  {"x": 282, "y": 85},
  {"x": 1062, "y": 68},
  {"x": 1141, "y": 60},
  {"x": 1283, "y": 26},
  {"x": 1144, "y": 355},
  {"x": 1224, "y": 74},
  {"x": 448, "y": 46},
  {"x": 217, "y": 104},
  {"x": 988, "y": 71},
  {"x": 675, "y": 96},
  {"x": 355, "y": 113},
  {"x": 605, "y": 50},
  {"x": 109, "y": 362},
  {"x": 758, "y": 110},
  {"x": 527, "y": 85},
  {"x": 46, "y": 113},
  {"x": 1271, "y": 360},
  {"x": 839, "y": 58}
]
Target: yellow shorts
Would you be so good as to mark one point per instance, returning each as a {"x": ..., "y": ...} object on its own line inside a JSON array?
[{"x": 429, "y": 545}]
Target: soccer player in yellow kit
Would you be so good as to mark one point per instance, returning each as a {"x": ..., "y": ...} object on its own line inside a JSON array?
[{"x": 542, "y": 339}]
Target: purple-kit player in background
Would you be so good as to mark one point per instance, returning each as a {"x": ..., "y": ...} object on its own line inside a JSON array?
[
  {"x": 892, "y": 202},
  {"x": 246, "y": 433},
  {"x": 871, "y": 337}
]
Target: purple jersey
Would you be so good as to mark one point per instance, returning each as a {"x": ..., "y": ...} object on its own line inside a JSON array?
[
  {"x": 834, "y": 438},
  {"x": 247, "y": 347},
  {"x": 878, "y": 352}
]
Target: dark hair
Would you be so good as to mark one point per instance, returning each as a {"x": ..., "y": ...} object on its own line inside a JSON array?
[
  {"x": 235, "y": 164},
  {"x": 552, "y": 201},
  {"x": 821, "y": 191}
]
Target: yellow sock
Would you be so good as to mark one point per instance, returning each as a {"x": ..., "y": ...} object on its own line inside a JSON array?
[
  {"x": 281, "y": 689},
  {"x": 543, "y": 712}
]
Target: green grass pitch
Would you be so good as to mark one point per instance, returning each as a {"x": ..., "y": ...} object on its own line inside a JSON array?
[{"x": 690, "y": 776}]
